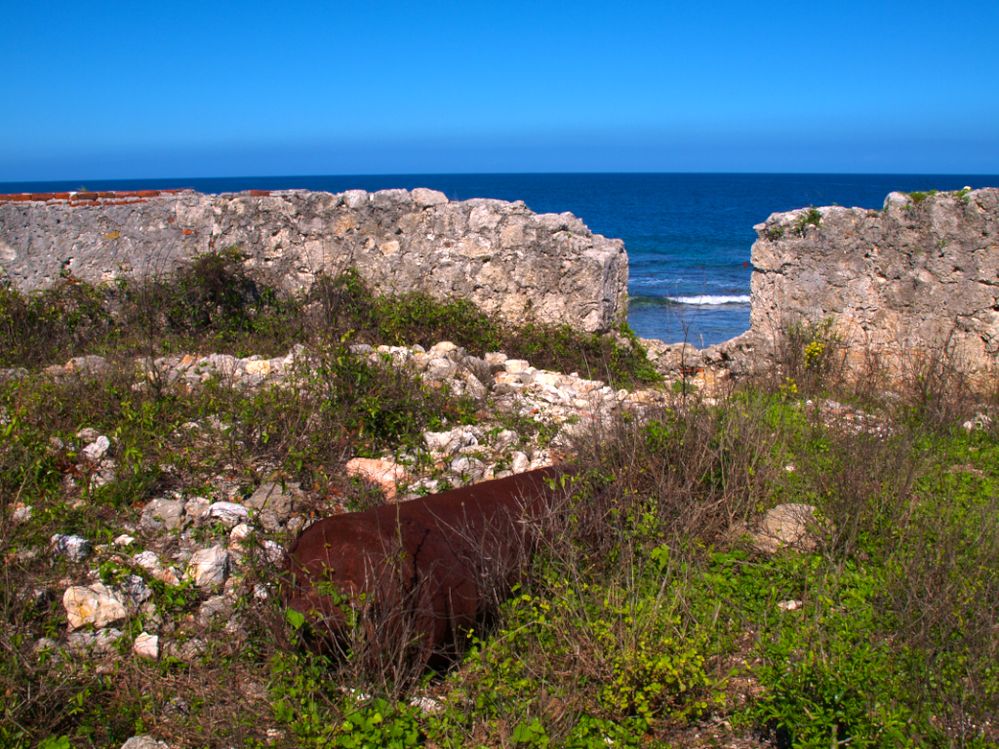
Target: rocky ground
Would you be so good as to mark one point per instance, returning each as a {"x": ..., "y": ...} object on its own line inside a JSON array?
[{"x": 183, "y": 574}]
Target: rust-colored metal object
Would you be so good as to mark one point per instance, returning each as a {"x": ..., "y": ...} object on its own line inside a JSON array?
[{"x": 415, "y": 576}]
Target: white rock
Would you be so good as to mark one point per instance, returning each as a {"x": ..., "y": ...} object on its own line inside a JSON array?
[
  {"x": 124, "y": 540},
  {"x": 144, "y": 741},
  {"x": 197, "y": 507},
  {"x": 442, "y": 349},
  {"x": 96, "y": 450},
  {"x": 791, "y": 605},
  {"x": 228, "y": 513},
  {"x": 147, "y": 646},
  {"x": 162, "y": 514},
  {"x": 136, "y": 590},
  {"x": 94, "y": 604},
  {"x": 516, "y": 366},
  {"x": 788, "y": 525},
  {"x": 101, "y": 641},
  {"x": 87, "y": 434},
  {"x": 208, "y": 567},
  {"x": 495, "y": 360},
  {"x": 148, "y": 561},
  {"x": 440, "y": 368},
  {"x": 74, "y": 548},
  {"x": 273, "y": 551},
  {"x": 520, "y": 462},
  {"x": 427, "y": 705},
  {"x": 21, "y": 513},
  {"x": 467, "y": 466},
  {"x": 239, "y": 534}
]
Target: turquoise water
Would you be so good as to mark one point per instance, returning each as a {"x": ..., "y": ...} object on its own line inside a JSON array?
[{"x": 688, "y": 236}]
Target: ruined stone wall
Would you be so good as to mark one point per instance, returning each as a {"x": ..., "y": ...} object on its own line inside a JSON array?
[
  {"x": 511, "y": 262},
  {"x": 900, "y": 285}
]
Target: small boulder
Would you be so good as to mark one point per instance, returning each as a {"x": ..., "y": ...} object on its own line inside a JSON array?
[
  {"x": 144, "y": 741},
  {"x": 146, "y": 646},
  {"x": 74, "y": 548},
  {"x": 91, "y": 643},
  {"x": 788, "y": 526},
  {"x": 162, "y": 514},
  {"x": 196, "y": 508},
  {"x": 96, "y": 450},
  {"x": 229, "y": 514},
  {"x": 274, "y": 502},
  {"x": 20, "y": 513},
  {"x": 208, "y": 567},
  {"x": 387, "y": 474},
  {"x": 94, "y": 604}
]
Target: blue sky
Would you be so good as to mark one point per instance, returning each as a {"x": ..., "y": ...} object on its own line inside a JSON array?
[{"x": 189, "y": 89}]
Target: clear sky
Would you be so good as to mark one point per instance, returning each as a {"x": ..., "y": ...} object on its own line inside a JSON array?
[{"x": 187, "y": 89}]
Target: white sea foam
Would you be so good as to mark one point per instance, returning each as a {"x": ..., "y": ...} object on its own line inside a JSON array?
[{"x": 711, "y": 299}]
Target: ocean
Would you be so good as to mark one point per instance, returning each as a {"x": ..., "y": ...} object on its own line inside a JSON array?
[{"x": 688, "y": 236}]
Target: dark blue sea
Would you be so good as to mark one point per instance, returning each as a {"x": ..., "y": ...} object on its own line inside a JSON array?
[{"x": 688, "y": 235}]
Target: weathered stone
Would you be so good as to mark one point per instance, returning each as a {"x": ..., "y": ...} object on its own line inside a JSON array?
[
  {"x": 186, "y": 651},
  {"x": 162, "y": 514},
  {"x": 228, "y": 513},
  {"x": 96, "y": 450},
  {"x": 74, "y": 548},
  {"x": 384, "y": 472},
  {"x": 508, "y": 261},
  {"x": 135, "y": 590},
  {"x": 902, "y": 287},
  {"x": 144, "y": 742},
  {"x": 440, "y": 369},
  {"x": 94, "y": 604},
  {"x": 516, "y": 366},
  {"x": 89, "y": 365},
  {"x": 146, "y": 645},
  {"x": 214, "y": 609},
  {"x": 208, "y": 567},
  {"x": 20, "y": 513},
  {"x": 451, "y": 441},
  {"x": 196, "y": 508},
  {"x": 788, "y": 526},
  {"x": 279, "y": 501},
  {"x": 238, "y": 535},
  {"x": 93, "y": 643}
]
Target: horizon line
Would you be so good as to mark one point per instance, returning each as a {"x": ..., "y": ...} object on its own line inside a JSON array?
[{"x": 504, "y": 174}]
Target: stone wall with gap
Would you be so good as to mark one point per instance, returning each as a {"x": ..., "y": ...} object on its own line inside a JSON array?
[{"x": 511, "y": 262}]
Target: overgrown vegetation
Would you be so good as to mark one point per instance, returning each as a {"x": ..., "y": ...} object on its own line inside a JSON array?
[
  {"x": 649, "y": 617},
  {"x": 214, "y": 305},
  {"x": 811, "y": 217},
  {"x": 919, "y": 197}
]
